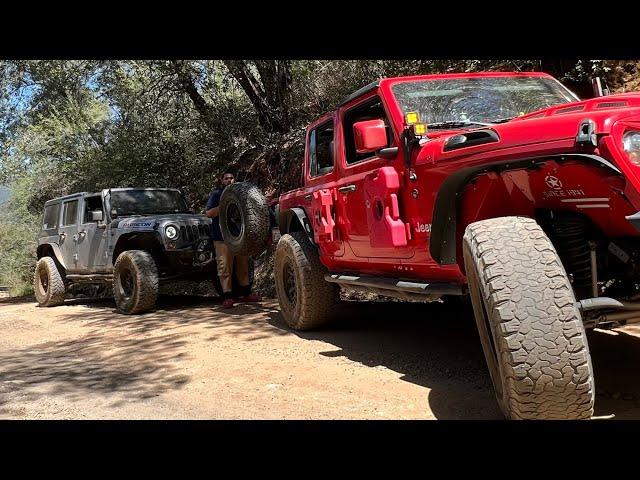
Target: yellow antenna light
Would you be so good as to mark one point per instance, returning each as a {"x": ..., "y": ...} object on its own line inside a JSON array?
[
  {"x": 411, "y": 118},
  {"x": 420, "y": 129}
]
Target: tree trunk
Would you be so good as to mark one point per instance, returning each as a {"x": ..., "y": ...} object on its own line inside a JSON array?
[
  {"x": 188, "y": 85},
  {"x": 269, "y": 94}
]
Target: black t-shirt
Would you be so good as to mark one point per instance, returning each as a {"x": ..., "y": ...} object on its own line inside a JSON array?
[{"x": 214, "y": 201}]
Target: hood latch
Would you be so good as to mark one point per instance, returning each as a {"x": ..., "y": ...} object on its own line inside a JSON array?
[{"x": 587, "y": 136}]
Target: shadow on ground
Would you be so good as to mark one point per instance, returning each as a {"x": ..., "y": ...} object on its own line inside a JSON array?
[
  {"x": 17, "y": 300},
  {"x": 137, "y": 367},
  {"x": 173, "y": 313},
  {"x": 136, "y": 356},
  {"x": 432, "y": 345},
  {"x": 616, "y": 363},
  {"x": 435, "y": 346}
]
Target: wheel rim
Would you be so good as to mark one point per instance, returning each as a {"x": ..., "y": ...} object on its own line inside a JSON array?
[
  {"x": 289, "y": 284},
  {"x": 125, "y": 283},
  {"x": 234, "y": 220},
  {"x": 43, "y": 282}
]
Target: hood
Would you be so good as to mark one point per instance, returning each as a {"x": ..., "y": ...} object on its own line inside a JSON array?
[{"x": 551, "y": 128}]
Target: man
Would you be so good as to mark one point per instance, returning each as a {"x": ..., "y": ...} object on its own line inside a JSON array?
[{"x": 224, "y": 257}]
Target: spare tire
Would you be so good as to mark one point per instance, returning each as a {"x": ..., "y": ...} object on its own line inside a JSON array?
[{"x": 244, "y": 219}]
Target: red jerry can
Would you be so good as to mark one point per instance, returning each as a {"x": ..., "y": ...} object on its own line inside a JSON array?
[
  {"x": 323, "y": 222},
  {"x": 386, "y": 228}
]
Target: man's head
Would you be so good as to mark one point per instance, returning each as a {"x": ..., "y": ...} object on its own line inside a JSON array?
[{"x": 227, "y": 179}]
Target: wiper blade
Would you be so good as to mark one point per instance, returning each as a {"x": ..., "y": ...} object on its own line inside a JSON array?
[
  {"x": 175, "y": 210},
  {"x": 502, "y": 120},
  {"x": 457, "y": 123}
]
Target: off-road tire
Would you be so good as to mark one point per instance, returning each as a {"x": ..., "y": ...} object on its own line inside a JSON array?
[
  {"x": 48, "y": 283},
  {"x": 308, "y": 301},
  {"x": 249, "y": 233},
  {"x": 531, "y": 331},
  {"x": 135, "y": 282}
]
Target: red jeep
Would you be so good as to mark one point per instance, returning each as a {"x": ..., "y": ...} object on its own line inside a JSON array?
[{"x": 503, "y": 186}]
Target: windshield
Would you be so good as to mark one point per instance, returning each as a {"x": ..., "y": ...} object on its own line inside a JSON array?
[
  {"x": 479, "y": 99},
  {"x": 143, "y": 202}
]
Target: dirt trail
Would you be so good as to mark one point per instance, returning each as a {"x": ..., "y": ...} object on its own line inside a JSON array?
[{"x": 192, "y": 359}]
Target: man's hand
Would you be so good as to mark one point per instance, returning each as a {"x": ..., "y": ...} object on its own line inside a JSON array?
[{"x": 212, "y": 212}]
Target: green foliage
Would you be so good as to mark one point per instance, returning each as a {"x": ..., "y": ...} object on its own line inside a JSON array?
[
  {"x": 17, "y": 252},
  {"x": 80, "y": 125}
]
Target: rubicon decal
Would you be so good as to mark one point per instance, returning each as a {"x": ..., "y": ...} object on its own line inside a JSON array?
[{"x": 133, "y": 225}]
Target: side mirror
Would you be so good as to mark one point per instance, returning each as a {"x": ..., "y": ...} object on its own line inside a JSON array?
[
  {"x": 114, "y": 213},
  {"x": 370, "y": 135},
  {"x": 96, "y": 216}
]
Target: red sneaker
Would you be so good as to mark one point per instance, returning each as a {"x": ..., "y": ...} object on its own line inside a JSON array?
[
  {"x": 252, "y": 297},
  {"x": 228, "y": 303}
]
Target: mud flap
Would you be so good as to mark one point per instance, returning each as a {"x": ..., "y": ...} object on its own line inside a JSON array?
[
  {"x": 323, "y": 222},
  {"x": 386, "y": 228}
]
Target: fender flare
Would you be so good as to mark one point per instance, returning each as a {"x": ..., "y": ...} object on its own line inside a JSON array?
[
  {"x": 442, "y": 244},
  {"x": 125, "y": 238},
  {"x": 57, "y": 253},
  {"x": 287, "y": 218}
]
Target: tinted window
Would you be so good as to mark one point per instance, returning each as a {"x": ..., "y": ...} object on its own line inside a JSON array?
[
  {"x": 369, "y": 110},
  {"x": 70, "y": 213},
  {"x": 51, "y": 214},
  {"x": 321, "y": 150}
]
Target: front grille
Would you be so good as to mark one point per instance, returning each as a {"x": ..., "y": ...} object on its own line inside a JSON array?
[{"x": 192, "y": 233}]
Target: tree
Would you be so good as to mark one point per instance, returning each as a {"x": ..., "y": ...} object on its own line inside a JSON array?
[{"x": 267, "y": 83}]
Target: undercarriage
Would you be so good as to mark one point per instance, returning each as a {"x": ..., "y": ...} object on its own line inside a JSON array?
[{"x": 604, "y": 272}]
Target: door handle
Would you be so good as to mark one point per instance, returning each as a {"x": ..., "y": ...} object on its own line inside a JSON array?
[
  {"x": 347, "y": 188},
  {"x": 308, "y": 197}
]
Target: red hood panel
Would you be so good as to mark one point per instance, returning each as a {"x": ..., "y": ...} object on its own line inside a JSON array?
[{"x": 555, "y": 124}]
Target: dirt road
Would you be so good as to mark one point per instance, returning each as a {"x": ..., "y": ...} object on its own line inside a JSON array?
[{"x": 190, "y": 359}]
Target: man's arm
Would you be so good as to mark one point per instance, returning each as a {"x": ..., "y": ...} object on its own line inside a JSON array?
[
  {"x": 212, "y": 209},
  {"x": 212, "y": 212}
]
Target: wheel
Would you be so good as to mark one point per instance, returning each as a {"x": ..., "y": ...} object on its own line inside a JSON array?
[
  {"x": 135, "y": 282},
  {"x": 532, "y": 334},
  {"x": 235, "y": 286},
  {"x": 306, "y": 298},
  {"x": 48, "y": 283},
  {"x": 244, "y": 219}
]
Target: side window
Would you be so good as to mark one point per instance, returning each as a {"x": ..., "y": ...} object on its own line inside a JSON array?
[
  {"x": 321, "y": 150},
  {"x": 51, "y": 214},
  {"x": 91, "y": 204},
  {"x": 369, "y": 110},
  {"x": 70, "y": 213}
]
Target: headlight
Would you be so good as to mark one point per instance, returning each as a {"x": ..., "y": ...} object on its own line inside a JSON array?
[
  {"x": 631, "y": 144},
  {"x": 171, "y": 232}
]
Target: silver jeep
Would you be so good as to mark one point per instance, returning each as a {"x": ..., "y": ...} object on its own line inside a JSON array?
[{"x": 131, "y": 238}]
